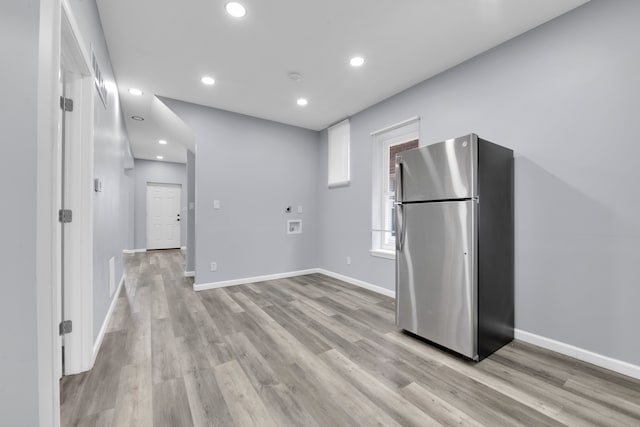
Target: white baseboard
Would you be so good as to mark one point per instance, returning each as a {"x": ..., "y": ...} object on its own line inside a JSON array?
[
  {"x": 189, "y": 274},
  {"x": 351, "y": 280},
  {"x": 133, "y": 251},
  {"x": 107, "y": 318},
  {"x": 357, "y": 282},
  {"x": 244, "y": 281},
  {"x": 606, "y": 362}
]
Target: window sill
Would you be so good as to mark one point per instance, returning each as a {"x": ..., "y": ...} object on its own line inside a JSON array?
[{"x": 383, "y": 254}]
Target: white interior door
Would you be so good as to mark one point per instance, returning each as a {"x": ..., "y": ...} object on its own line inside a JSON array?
[
  {"x": 74, "y": 254},
  {"x": 163, "y": 215}
]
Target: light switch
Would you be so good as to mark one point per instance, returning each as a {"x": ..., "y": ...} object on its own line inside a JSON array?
[
  {"x": 299, "y": 208},
  {"x": 216, "y": 204}
]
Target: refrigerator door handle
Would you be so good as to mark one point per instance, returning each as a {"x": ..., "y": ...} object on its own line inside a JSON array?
[{"x": 399, "y": 226}]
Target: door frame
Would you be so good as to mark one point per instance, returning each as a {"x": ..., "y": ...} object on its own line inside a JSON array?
[
  {"x": 172, "y": 184},
  {"x": 47, "y": 226}
]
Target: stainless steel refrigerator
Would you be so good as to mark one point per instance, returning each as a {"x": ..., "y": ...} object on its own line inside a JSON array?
[{"x": 454, "y": 244}]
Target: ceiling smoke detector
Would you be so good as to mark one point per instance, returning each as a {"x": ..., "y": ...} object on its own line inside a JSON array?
[{"x": 296, "y": 77}]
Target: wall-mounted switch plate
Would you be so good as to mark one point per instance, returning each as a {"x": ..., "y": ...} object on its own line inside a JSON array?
[
  {"x": 216, "y": 204},
  {"x": 214, "y": 266},
  {"x": 299, "y": 208},
  {"x": 97, "y": 185}
]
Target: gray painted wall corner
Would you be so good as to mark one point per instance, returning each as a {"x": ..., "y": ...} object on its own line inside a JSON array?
[
  {"x": 190, "y": 260},
  {"x": 255, "y": 169}
]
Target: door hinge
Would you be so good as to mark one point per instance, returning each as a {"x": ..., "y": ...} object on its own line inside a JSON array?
[
  {"x": 66, "y": 104},
  {"x": 65, "y": 215},
  {"x": 66, "y": 326}
]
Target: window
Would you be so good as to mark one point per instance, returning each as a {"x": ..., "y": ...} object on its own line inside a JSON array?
[
  {"x": 387, "y": 143},
  {"x": 338, "y": 152},
  {"x": 389, "y": 186}
]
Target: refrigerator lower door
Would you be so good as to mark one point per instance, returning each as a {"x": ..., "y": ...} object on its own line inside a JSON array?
[{"x": 436, "y": 281}]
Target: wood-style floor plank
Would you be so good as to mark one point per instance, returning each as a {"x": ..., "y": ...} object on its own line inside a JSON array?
[
  {"x": 246, "y": 407},
  {"x": 313, "y": 351},
  {"x": 171, "y": 404}
]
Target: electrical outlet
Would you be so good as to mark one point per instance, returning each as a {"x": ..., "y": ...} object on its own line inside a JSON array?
[
  {"x": 348, "y": 260},
  {"x": 214, "y": 266}
]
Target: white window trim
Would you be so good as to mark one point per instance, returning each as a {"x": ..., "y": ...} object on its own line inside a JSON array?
[
  {"x": 382, "y": 253},
  {"x": 383, "y": 139}
]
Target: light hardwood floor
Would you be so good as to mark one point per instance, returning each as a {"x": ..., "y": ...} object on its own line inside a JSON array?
[{"x": 313, "y": 351}]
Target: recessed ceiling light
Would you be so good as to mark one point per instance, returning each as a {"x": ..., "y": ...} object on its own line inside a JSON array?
[
  {"x": 235, "y": 9},
  {"x": 302, "y": 102},
  {"x": 134, "y": 91},
  {"x": 137, "y": 118},
  {"x": 159, "y": 157},
  {"x": 162, "y": 142},
  {"x": 356, "y": 61},
  {"x": 207, "y": 80}
]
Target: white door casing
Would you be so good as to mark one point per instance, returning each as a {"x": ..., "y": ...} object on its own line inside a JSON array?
[
  {"x": 48, "y": 261},
  {"x": 163, "y": 215}
]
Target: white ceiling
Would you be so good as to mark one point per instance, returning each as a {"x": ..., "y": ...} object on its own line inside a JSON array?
[{"x": 164, "y": 47}]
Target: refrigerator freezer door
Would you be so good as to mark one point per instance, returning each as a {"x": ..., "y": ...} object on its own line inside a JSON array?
[
  {"x": 441, "y": 171},
  {"x": 436, "y": 283}
]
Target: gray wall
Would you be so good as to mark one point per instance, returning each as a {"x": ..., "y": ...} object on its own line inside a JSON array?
[
  {"x": 565, "y": 97},
  {"x": 18, "y": 121},
  {"x": 111, "y": 207},
  {"x": 190, "y": 256},
  {"x": 146, "y": 171},
  {"x": 255, "y": 168}
]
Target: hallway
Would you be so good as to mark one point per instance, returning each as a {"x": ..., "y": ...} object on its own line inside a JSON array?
[{"x": 312, "y": 351}]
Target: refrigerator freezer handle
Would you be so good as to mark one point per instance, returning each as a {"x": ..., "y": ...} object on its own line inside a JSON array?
[
  {"x": 398, "y": 179},
  {"x": 399, "y": 208}
]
